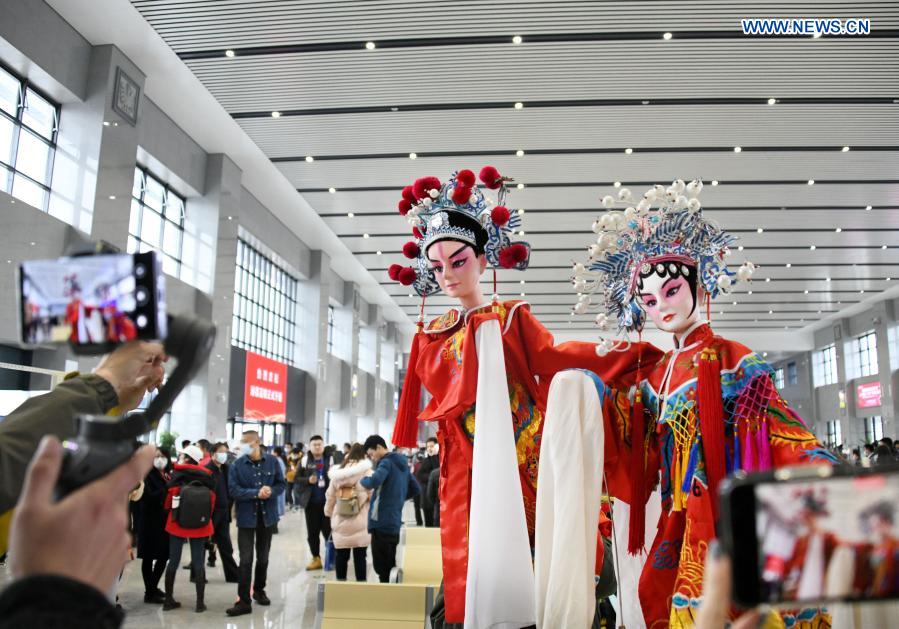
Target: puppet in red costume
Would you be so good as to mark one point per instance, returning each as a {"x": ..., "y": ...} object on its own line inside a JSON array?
[
  {"x": 708, "y": 408},
  {"x": 457, "y": 236}
]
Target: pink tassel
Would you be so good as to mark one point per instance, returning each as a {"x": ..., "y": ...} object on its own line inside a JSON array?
[
  {"x": 749, "y": 461},
  {"x": 764, "y": 445}
]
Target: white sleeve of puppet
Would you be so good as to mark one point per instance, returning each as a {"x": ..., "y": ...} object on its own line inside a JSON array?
[{"x": 569, "y": 491}]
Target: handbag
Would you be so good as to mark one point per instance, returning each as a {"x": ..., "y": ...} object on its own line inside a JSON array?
[
  {"x": 330, "y": 555},
  {"x": 347, "y": 502}
]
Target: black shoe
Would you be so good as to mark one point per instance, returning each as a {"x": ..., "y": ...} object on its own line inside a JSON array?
[
  {"x": 240, "y": 608},
  {"x": 187, "y": 567},
  {"x": 170, "y": 603},
  {"x": 154, "y": 598},
  {"x": 211, "y": 563},
  {"x": 261, "y": 598}
]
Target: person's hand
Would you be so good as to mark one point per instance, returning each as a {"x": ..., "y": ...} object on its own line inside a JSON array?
[
  {"x": 84, "y": 536},
  {"x": 716, "y": 594},
  {"x": 265, "y": 492},
  {"x": 132, "y": 370}
]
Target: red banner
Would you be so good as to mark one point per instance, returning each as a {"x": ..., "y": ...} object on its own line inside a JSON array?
[
  {"x": 265, "y": 392},
  {"x": 868, "y": 395}
]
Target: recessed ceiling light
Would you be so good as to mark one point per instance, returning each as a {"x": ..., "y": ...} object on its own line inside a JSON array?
[
  {"x": 867, "y": 208},
  {"x": 845, "y": 149},
  {"x": 516, "y": 39},
  {"x": 522, "y": 294},
  {"x": 112, "y": 198},
  {"x": 740, "y": 248},
  {"x": 714, "y": 182},
  {"x": 520, "y": 186},
  {"x": 105, "y": 123},
  {"x": 760, "y": 230},
  {"x": 806, "y": 291},
  {"x": 230, "y": 218},
  {"x": 811, "y": 182},
  {"x": 370, "y": 45},
  {"x": 767, "y": 279},
  {"x": 310, "y": 159},
  {"x": 735, "y": 303},
  {"x": 366, "y": 236},
  {"x": 813, "y": 247},
  {"x": 350, "y": 215},
  {"x": 771, "y": 101},
  {"x": 411, "y": 295},
  {"x": 861, "y": 291},
  {"x": 519, "y": 153},
  {"x": 521, "y": 211},
  {"x": 378, "y": 252},
  {"x": 413, "y": 155},
  {"x": 521, "y": 282},
  {"x": 827, "y": 279},
  {"x": 628, "y": 151},
  {"x": 229, "y": 53},
  {"x": 645, "y": 102},
  {"x": 666, "y": 36},
  {"x": 332, "y": 190},
  {"x": 838, "y": 230},
  {"x": 749, "y": 292},
  {"x": 770, "y": 312},
  {"x": 889, "y": 278},
  {"x": 521, "y": 233},
  {"x": 789, "y": 264},
  {"x": 738, "y": 149},
  {"x": 276, "y": 114},
  {"x": 883, "y": 246},
  {"x": 519, "y": 105},
  {"x": 617, "y": 184}
]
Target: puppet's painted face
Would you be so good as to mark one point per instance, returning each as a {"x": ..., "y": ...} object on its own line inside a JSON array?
[
  {"x": 456, "y": 267},
  {"x": 669, "y": 301}
]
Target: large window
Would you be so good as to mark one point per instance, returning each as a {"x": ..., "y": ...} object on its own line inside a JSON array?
[
  {"x": 157, "y": 220},
  {"x": 388, "y": 362},
  {"x": 779, "y": 377},
  {"x": 792, "y": 374},
  {"x": 866, "y": 349},
  {"x": 893, "y": 345},
  {"x": 265, "y": 305},
  {"x": 368, "y": 349},
  {"x": 873, "y": 429},
  {"x": 28, "y": 125},
  {"x": 824, "y": 366},
  {"x": 834, "y": 434}
]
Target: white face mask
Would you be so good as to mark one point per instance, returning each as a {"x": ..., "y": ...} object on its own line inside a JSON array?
[
  {"x": 246, "y": 449},
  {"x": 221, "y": 457},
  {"x": 160, "y": 463}
]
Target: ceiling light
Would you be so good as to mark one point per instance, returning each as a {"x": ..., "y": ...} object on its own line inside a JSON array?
[
  {"x": 714, "y": 182},
  {"x": 845, "y": 149},
  {"x": 332, "y": 190},
  {"x": 666, "y": 36},
  {"x": 771, "y": 101},
  {"x": 735, "y": 303},
  {"x": 229, "y": 53},
  {"x": 411, "y": 295},
  {"x": 310, "y": 159},
  {"x": 413, "y": 155},
  {"x": 520, "y": 212},
  {"x": 789, "y": 264},
  {"x": 112, "y": 198},
  {"x": 366, "y": 236},
  {"x": 721, "y": 312},
  {"x": 813, "y": 247},
  {"x": 519, "y": 105},
  {"x": 370, "y": 45},
  {"x": 770, "y": 312},
  {"x": 883, "y": 246},
  {"x": 230, "y": 218},
  {"x": 519, "y": 153},
  {"x": 740, "y": 248},
  {"x": 889, "y": 278},
  {"x": 378, "y": 252},
  {"x": 838, "y": 230},
  {"x": 827, "y": 279},
  {"x": 520, "y": 186},
  {"x": 516, "y": 39},
  {"x": 749, "y": 292},
  {"x": 867, "y": 208},
  {"x": 521, "y": 233},
  {"x": 350, "y": 215},
  {"x": 521, "y": 282},
  {"x": 861, "y": 291},
  {"x": 628, "y": 151},
  {"x": 276, "y": 114},
  {"x": 617, "y": 184},
  {"x": 806, "y": 291},
  {"x": 811, "y": 182},
  {"x": 645, "y": 102},
  {"x": 760, "y": 230},
  {"x": 105, "y": 123},
  {"x": 767, "y": 279},
  {"x": 737, "y": 149}
]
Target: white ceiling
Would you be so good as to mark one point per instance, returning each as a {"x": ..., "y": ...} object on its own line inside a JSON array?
[{"x": 582, "y": 72}]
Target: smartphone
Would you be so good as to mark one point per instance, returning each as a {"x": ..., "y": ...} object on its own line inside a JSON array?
[
  {"x": 813, "y": 534},
  {"x": 93, "y": 302}
]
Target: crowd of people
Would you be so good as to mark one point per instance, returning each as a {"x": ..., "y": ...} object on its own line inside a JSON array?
[{"x": 884, "y": 451}]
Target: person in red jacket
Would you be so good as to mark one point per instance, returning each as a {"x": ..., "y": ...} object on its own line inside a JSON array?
[{"x": 187, "y": 471}]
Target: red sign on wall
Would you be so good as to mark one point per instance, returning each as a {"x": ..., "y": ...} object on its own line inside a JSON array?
[
  {"x": 868, "y": 395},
  {"x": 265, "y": 392}
]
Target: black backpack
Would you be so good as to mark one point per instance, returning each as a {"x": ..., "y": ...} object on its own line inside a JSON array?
[{"x": 194, "y": 506}]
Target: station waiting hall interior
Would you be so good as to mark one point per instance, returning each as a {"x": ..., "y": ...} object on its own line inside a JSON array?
[{"x": 271, "y": 154}]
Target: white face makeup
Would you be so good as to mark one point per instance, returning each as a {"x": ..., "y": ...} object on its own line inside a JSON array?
[
  {"x": 458, "y": 270},
  {"x": 669, "y": 302}
]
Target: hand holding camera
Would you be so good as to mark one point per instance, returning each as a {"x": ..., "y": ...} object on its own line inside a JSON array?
[{"x": 133, "y": 370}]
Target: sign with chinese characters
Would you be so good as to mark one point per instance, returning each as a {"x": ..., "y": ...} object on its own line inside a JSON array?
[
  {"x": 265, "y": 395},
  {"x": 868, "y": 395}
]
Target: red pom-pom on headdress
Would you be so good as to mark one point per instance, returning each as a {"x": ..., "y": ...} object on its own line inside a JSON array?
[
  {"x": 461, "y": 194},
  {"x": 422, "y": 186},
  {"x": 500, "y": 215},
  {"x": 491, "y": 178},
  {"x": 394, "y": 272},
  {"x": 411, "y": 250},
  {"x": 513, "y": 255},
  {"x": 409, "y": 195},
  {"x": 417, "y": 233},
  {"x": 407, "y": 276},
  {"x": 404, "y": 206},
  {"x": 465, "y": 178}
]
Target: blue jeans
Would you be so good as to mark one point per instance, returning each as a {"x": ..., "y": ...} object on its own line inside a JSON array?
[{"x": 197, "y": 554}]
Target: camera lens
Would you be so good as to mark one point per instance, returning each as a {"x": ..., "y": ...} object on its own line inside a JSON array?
[
  {"x": 139, "y": 270},
  {"x": 141, "y": 296},
  {"x": 141, "y": 321}
]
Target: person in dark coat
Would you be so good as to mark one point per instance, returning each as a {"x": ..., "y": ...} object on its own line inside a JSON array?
[
  {"x": 221, "y": 516},
  {"x": 434, "y": 495},
  {"x": 428, "y": 464},
  {"x": 313, "y": 481},
  {"x": 152, "y": 539}
]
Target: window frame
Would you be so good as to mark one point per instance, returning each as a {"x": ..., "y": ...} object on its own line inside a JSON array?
[
  {"x": 18, "y": 122},
  {"x": 135, "y": 240},
  {"x": 792, "y": 374},
  {"x": 779, "y": 378},
  {"x": 824, "y": 366},
  {"x": 873, "y": 425},
  {"x": 265, "y": 305},
  {"x": 866, "y": 350},
  {"x": 834, "y": 433}
]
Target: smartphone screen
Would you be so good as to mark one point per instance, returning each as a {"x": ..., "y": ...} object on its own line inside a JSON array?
[
  {"x": 815, "y": 539},
  {"x": 94, "y": 300}
]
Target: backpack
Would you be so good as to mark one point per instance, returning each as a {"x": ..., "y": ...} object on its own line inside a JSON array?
[
  {"x": 195, "y": 506},
  {"x": 347, "y": 502}
]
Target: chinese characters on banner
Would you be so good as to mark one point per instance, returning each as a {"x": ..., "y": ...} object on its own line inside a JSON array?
[
  {"x": 868, "y": 395},
  {"x": 265, "y": 393}
]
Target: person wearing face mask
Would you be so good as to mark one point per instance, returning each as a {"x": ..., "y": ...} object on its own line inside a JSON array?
[
  {"x": 494, "y": 356},
  {"x": 255, "y": 481},
  {"x": 709, "y": 408},
  {"x": 152, "y": 538},
  {"x": 221, "y": 516}
]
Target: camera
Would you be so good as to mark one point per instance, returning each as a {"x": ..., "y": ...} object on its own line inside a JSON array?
[
  {"x": 96, "y": 302},
  {"x": 813, "y": 534}
]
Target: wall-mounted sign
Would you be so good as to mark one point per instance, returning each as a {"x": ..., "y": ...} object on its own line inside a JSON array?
[
  {"x": 868, "y": 395},
  {"x": 265, "y": 393}
]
